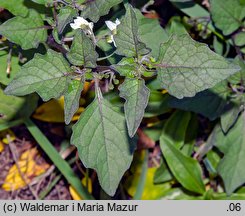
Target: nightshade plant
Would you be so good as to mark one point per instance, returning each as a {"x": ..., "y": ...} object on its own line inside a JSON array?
[{"x": 194, "y": 75}]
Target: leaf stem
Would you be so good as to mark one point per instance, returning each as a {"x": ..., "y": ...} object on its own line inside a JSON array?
[{"x": 106, "y": 57}]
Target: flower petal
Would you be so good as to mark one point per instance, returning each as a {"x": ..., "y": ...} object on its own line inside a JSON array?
[
  {"x": 74, "y": 26},
  {"x": 117, "y": 22},
  {"x": 111, "y": 25}
]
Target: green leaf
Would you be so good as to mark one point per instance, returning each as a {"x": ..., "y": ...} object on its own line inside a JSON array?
[
  {"x": 126, "y": 67},
  {"x": 238, "y": 77},
  {"x": 136, "y": 95},
  {"x": 240, "y": 39},
  {"x": 158, "y": 104},
  {"x": 227, "y": 15},
  {"x": 127, "y": 41},
  {"x": 211, "y": 162},
  {"x": 191, "y": 8},
  {"x": 103, "y": 144},
  {"x": 182, "y": 1},
  {"x": 230, "y": 115},
  {"x": 180, "y": 194},
  {"x": 43, "y": 1},
  {"x": 97, "y": 8},
  {"x": 231, "y": 167},
  {"x": 218, "y": 46},
  {"x": 148, "y": 29},
  {"x": 4, "y": 77},
  {"x": 12, "y": 107},
  {"x": 28, "y": 32},
  {"x": 191, "y": 136},
  {"x": 64, "y": 17},
  {"x": 187, "y": 67},
  {"x": 155, "y": 131},
  {"x": 61, "y": 164},
  {"x": 16, "y": 7},
  {"x": 185, "y": 169},
  {"x": 72, "y": 97},
  {"x": 175, "y": 128},
  {"x": 82, "y": 51},
  {"x": 44, "y": 74},
  {"x": 216, "y": 98},
  {"x": 162, "y": 174},
  {"x": 176, "y": 26}
]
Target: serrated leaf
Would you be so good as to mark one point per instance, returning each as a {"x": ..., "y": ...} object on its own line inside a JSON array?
[
  {"x": 239, "y": 77},
  {"x": 82, "y": 52},
  {"x": 185, "y": 169},
  {"x": 16, "y": 7},
  {"x": 28, "y": 32},
  {"x": 44, "y": 74},
  {"x": 12, "y": 108},
  {"x": 97, "y": 8},
  {"x": 136, "y": 95},
  {"x": 148, "y": 29},
  {"x": 102, "y": 141},
  {"x": 227, "y": 15},
  {"x": 231, "y": 167},
  {"x": 216, "y": 98},
  {"x": 126, "y": 39},
  {"x": 72, "y": 96},
  {"x": 187, "y": 67},
  {"x": 126, "y": 67},
  {"x": 64, "y": 17}
]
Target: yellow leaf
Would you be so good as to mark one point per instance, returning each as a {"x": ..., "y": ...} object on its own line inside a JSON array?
[
  {"x": 28, "y": 168},
  {"x": 1, "y": 146},
  {"x": 4, "y": 134},
  {"x": 73, "y": 192},
  {"x": 53, "y": 111},
  {"x": 86, "y": 88},
  {"x": 164, "y": 91},
  {"x": 151, "y": 191}
]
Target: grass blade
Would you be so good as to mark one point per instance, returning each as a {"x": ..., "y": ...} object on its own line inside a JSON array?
[
  {"x": 10, "y": 124},
  {"x": 58, "y": 161},
  {"x": 142, "y": 179}
]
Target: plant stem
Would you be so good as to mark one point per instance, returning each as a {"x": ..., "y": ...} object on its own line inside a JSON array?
[{"x": 106, "y": 57}]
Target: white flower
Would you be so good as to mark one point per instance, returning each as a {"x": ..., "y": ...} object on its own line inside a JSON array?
[
  {"x": 112, "y": 25},
  {"x": 110, "y": 39},
  {"x": 81, "y": 23},
  {"x": 113, "y": 28}
]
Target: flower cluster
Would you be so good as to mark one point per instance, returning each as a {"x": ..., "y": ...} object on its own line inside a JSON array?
[{"x": 87, "y": 27}]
